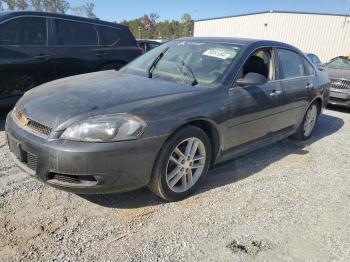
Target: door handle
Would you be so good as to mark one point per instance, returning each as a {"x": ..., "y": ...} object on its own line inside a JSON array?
[
  {"x": 309, "y": 85},
  {"x": 101, "y": 54},
  {"x": 275, "y": 93},
  {"x": 42, "y": 56}
]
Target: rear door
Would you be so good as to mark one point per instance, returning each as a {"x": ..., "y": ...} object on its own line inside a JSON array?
[
  {"x": 76, "y": 47},
  {"x": 297, "y": 83},
  {"x": 255, "y": 110},
  {"x": 25, "y": 57}
]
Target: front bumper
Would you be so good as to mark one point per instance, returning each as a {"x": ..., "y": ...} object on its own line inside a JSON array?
[
  {"x": 83, "y": 168},
  {"x": 339, "y": 97}
]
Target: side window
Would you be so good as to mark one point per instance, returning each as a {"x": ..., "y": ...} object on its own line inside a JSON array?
[
  {"x": 70, "y": 33},
  {"x": 107, "y": 35},
  {"x": 25, "y": 31},
  {"x": 317, "y": 60},
  {"x": 292, "y": 63},
  {"x": 261, "y": 62},
  {"x": 310, "y": 70}
]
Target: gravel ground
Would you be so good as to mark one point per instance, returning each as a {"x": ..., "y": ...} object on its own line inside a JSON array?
[{"x": 287, "y": 202}]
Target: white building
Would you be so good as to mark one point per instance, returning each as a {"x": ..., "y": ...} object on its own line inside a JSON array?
[{"x": 326, "y": 35}]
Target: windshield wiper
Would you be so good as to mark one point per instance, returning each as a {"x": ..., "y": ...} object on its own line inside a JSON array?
[
  {"x": 155, "y": 62},
  {"x": 195, "y": 82}
]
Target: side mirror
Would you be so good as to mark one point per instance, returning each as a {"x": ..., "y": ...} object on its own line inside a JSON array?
[
  {"x": 321, "y": 67},
  {"x": 252, "y": 79}
]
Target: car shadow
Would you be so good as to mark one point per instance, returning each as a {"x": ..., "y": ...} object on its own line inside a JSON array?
[
  {"x": 228, "y": 172},
  {"x": 339, "y": 109}
]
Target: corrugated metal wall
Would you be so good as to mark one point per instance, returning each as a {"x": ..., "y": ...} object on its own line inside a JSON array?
[{"x": 327, "y": 36}]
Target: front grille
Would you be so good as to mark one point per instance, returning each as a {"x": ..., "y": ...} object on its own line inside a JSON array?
[
  {"x": 31, "y": 161},
  {"x": 33, "y": 125},
  {"x": 69, "y": 179},
  {"x": 340, "y": 84}
]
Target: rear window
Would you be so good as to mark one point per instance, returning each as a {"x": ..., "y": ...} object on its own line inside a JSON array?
[
  {"x": 107, "y": 35},
  {"x": 70, "y": 33},
  {"x": 25, "y": 31}
]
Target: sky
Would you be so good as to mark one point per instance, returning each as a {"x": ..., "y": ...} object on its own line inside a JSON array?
[{"x": 118, "y": 10}]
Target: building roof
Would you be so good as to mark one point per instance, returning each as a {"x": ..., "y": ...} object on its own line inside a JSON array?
[{"x": 272, "y": 11}]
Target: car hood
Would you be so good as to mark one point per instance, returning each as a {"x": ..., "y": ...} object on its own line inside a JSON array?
[
  {"x": 338, "y": 73},
  {"x": 56, "y": 102}
]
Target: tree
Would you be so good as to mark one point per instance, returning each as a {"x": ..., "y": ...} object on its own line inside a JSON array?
[
  {"x": 148, "y": 27},
  {"x": 37, "y": 5},
  {"x": 56, "y": 6},
  {"x": 22, "y": 4},
  {"x": 150, "y": 22},
  {"x": 187, "y": 25},
  {"x": 89, "y": 9},
  {"x": 86, "y": 10},
  {"x": 11, "y": 4}
]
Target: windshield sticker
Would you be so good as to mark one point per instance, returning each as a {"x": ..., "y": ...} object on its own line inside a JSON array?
[{"x": 217, "y": 54}]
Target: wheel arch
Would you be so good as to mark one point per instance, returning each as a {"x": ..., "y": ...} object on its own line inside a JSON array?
[{"x": 209, "y": 128}]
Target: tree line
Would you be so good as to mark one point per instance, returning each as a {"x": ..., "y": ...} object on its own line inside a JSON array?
[
  {"x": 147, "y": 27},
  {"x": 53, "y": 6}
]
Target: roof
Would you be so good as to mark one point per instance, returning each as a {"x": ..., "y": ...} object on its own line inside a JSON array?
[
  {"x": 272, "y": 11},
  {"x": 10, "y": 14},
  {"x": 238, "y": 41}
]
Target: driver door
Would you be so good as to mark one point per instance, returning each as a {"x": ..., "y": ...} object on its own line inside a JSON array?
[{"x": 255, "y": 110}]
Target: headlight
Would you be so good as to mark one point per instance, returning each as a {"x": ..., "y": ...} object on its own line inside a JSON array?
[{"x": 109, "y": 128}]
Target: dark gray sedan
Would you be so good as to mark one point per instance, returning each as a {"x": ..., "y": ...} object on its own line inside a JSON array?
[
  {"x": 339, "y": 72},
  {"x": 164, "y": 119}
]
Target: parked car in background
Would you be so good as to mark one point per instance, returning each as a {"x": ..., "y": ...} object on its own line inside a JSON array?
[
  {"x": 316, "y": 61},
  {"x": 36, "y": 47},
  {"x": 338, "y": 70},
  {"x": 165, "y": 118},
  {"x": 148, "y": 45}
]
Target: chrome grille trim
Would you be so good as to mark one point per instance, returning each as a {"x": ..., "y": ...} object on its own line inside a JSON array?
[{"x": 340, "y": 84}]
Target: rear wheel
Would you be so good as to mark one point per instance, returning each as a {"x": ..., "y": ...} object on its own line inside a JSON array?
[
  {"x": 307, "y": 127},
  {"x": 182, "y": 164}
]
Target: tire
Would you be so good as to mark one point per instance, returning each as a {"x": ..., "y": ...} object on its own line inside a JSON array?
[
  {"x": 304, "y": 131},
  {"x": 111, "y": 66},
  {"x": 175, "y": 178}
]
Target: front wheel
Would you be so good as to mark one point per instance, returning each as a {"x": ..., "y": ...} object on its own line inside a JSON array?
[
  {"x": 307, "y": 127},
  {"x": 182, "y": 164}
]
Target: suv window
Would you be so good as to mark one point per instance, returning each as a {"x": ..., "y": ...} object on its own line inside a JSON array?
[
  {"x": 292, "y": 63},
  {"x": 25, "y": 31},
  {"x": 70, "y": 33},
  {"x": 107, "y": 35}
]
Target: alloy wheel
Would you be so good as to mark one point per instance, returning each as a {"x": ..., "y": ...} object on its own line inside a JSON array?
[
  {"x": 310, "y": 120},
  {"x": 185, "y": 165}
]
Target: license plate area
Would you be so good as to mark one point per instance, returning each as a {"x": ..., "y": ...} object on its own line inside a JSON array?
[{"x": 339, "y": 95}]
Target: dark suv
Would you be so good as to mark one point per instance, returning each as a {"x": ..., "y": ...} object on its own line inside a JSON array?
[{"x": 37, "y": 47}]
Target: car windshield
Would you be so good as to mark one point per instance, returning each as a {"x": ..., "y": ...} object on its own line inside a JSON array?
[
  {"x": 339, "y": 63},
  {"x": 186, "y": 62}
]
